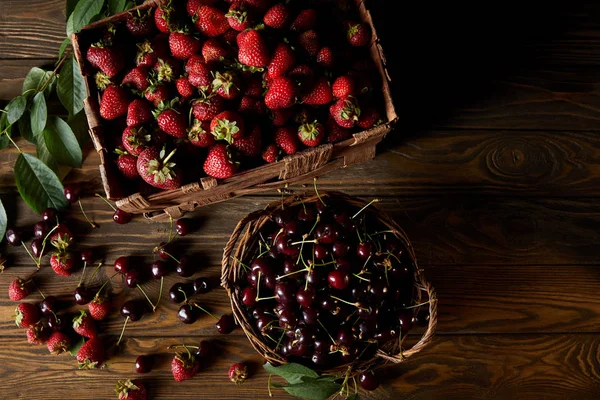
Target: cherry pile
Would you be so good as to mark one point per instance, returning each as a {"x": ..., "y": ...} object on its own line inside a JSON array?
[
  {"x": 329, "y": 284},
  {"x": 209, "y": 87}
]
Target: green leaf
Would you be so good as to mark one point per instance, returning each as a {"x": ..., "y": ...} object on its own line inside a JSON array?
[
  {"x": 76, "y": 346},
  {"x": 71, "y": 87},
  {"x": 129, "y": 5},
  {"x": 70, "y": 25},
  {"x": 71, "y": 6},
  {"x": 291, "y": 372},
  {"x": 79, "y": 125},
  {"x": 39, "y": 114},
  {"x": 36, "y": 78},
  {"x": 313, "y": 389},
  {"x": 4, "y": 137},
  {"x": 63, "y": 47},
  {"x": 62, "y": 143},
  {"x": 25, "y": 128},
  {"x": 84, "y": 12},
  {"x": 38, "y": 185},
  {"x": 3, "y": 220},
  {"x": 116, "y": 6},
  {"x": 16, "y": 108},
  {"x": 44, "y": 155}
]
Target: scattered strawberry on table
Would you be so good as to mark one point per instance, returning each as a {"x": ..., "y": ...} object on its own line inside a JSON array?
[{"x": 212, "y": 87}]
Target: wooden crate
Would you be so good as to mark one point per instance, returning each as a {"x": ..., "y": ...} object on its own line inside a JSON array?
[{"x": 296, "y": 168}]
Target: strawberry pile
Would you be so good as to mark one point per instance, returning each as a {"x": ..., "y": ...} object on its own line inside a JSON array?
[{"x": 207, "y": 87}]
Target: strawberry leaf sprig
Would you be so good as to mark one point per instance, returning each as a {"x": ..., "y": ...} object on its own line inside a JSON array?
[{"x": 58, "y": 135}]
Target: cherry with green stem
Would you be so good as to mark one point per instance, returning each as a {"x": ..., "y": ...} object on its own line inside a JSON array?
[
  {"x": 132, "y": 311},
  {"x": 120, "y": 217}
]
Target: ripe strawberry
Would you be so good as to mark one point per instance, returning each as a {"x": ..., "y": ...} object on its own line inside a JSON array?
[
  {"x": 135, "y": 140},
  {"x": 114, "y": 102},
  {"x": 253, "y": 50},
  {"x": 226, "y": 85},
  {"x": 249, "y": 145},
  {"x": 211, "y": 21},
  {"x": 345, "y": 112},
  {"x": 336, "y": 132},
  {"x": 238, "y": 17},
  {"x": 369, "y": 117},
  {"x": 150, "y": 51},
  {"x": 84, "y": 325},
  {"x": 196, "y": 64},
  {"x": 157, "y": 94},
  {"x": 283, "y": 60},
  {"x": 199, "y": 134},
  {"x": 311, "y": 134},
  {"x": 105, "y": 58},
  {"x": 202, "y": 81},
  {"x": 302, "y": 74},
  {"x": 281, "y": 93},
  {"x": 167, "y": 69},
  {"x": 319, "y": 94},
  {"x": 163, "y": 18},
  {"x": 183, "y": 45},
  {"x": 137, "y": 78},
  {"x": 62, "y": 263},
  {"x": 281, "y": 117},
  {"x": 358, "y": 34},
  {"x": 343, "y": 86},
  {"x": 138, "y": 113},
  {"x": 155, "y": 167},
  {"x": 192, "y": 6},
  {"x": 229, "y": 38},
  {"x": 206, "y": 109},
  {"x": 184, "y": 366},
  {"x": 250, "y": 105},
  {"x": 140, "y": 24},
  {"x": 26, "y": 315},
  {"x": 304, "y": 21},
  {"x": 277, "y": 16},
  {"x": 102, "y": 80},
  {"x": 61, "y": 238},
  {"x": 238, "y": 373},
  {"x": 227, "y": 126},
  {"x": 254, "y": 88},
  {"x": 131, "y": 390},
  {"x": 325, "y": 57},
  {"x": 184, "y": 87},
  {"x": 37, "y": 334},
  {"x": 287, "y": 140},
  {"x": 309, "y": 42},
  {"x": 91, "y": 354},
  {"x": 19, "y": 289},
  {"x": 219, "y": 163},
  {"x": 171, "y": 121},
  {"x": 258, "y": 5},
  {"x": 213, "y": 51},
  {"x": 99, "y": 308},
  {"x": 58, "y": 343},
  {"x": 127, "y": 164},
  {"x": 271, "y": 153}
]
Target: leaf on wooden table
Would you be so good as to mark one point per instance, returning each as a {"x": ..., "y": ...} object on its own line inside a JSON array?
[
  {"x": 25, "y": 128},
  {"x": 84, "y": 12},
  {"x": 16, "y": 108},
  {"x": 62, "y": 143},
  {"x": 291, "y": 372},
  {"x": 43, "y": 154},
  {"x": 36, "y": 78},
  {"x": 71, "y": 87},
  {"x": 76, "y": 346},
  {"x": 63, "y": 47},
  {"x": 39, "y": 115},
  {"x": 38, "y": 185},
  {"x": 79, "y": 125},
  {"x": 313, "y": 389},
  {"x": 4, "y": 137}
]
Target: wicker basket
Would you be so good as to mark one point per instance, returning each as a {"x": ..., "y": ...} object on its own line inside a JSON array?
[
  {"x": 242, "y": 246},
  {"x": 291, "y": 169}
]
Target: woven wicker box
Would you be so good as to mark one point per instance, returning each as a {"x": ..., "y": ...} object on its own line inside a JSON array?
[{"x": 291, "y": 169}]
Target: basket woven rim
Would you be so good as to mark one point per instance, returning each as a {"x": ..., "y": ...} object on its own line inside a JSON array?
[{"x": 231, "y": 268}]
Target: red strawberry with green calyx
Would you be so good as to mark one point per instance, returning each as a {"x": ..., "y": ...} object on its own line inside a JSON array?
[
  {"x": 287, "y": 140},
  {"x": 167, "y": 69},
  {"x": 136, "y": 140},
  {"x": 336, "y": 132},
  {"x": 304, "y": 21},
  {"x": 358, "y": 34},
  {"x": 237, "y": 17},
  {"x": 163, "y": 17},
  {"x": 369, "y": 117},
  {"x": 127, "y": 164},
  {"x": 84, "y": 325},
  {"x": 102, "y": 80},
  {"x": 139, "y": 112},
  {"x": 184, "y": 366},
  {"x": 211, "y": 21},
  {"x": 311, "y": 134},
  {"x": 227, "y": 126},
  {"x": 62, "y": 263},
  {"x": 19, "y": 289},
  {"x": 26, "y": 315},
  {"x": 271, "y": 153},
  {"x": 114, "y": 102},
  {"x": 155, "y": 167},
  {"x": 343, "y": 86},
  {"x": 309, "y": 42},
  {"x": 91, "y": 355},
  {"x": 99, "y": 307},
  {"x": 213, "y": 51},
  {"x": 183, "y": 45},
  {"x": 137, "y": 78},
  {"x": 320, "y": 93},
  {"x": 170, "y": 120},
  {"x": 185, "y": 88},
  {"x": 207, "y": 108},
  {"x": 325, "y": 57},
  {"x": 131, "y": 390},
  {"x": 219, "y": 162},
  {"x": 37, "y": 334},
  {"x": 61, "y": 238},
  {"x": 345, "y": 112},
  {"x": 199, "y": 134},
  {"x": 251, "y": 144},
  {"x": 140, "y": 23},
  {"x": 226, "y": 85},
  {"x": 58, "y": 343},
  {"x": 104, "y": 57},
  {"x": 157, "y": 93}
]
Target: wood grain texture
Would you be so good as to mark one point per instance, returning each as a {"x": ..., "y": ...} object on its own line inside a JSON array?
[
  {"x": 454, "y": 367},
  {"x": 13, "y": 73}
]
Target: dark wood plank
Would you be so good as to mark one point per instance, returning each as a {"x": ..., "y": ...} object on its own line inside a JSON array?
[
  {"x": 13, "y": 72},
  {"x": 455, "y": 367}
]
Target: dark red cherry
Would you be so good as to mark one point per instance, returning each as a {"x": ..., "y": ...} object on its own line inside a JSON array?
[
  {"x": 359, "y": 291},
  {"x": 321, "y": 251},
  {"x": 364, "y": 250},
  {"x": 306, "y": 297},
  {"x": 185, "y": 267},
  {"x": 264, "y": 323},
  {"x": 338, "y": 279},
  {"x": 226, "y": 324},
  {"x": 270, "y": 281},
  {"x": 72, "y": 193},
  {"x": 122, "y": 265},
  {"x": 252, "y": 278},
  {"x": 328, "y": 303},
  {"x": 49, "y": 214},
  {"x": 367, "y": 329},
  {"x": 322, "y": 343},
  {"x": 346, "y": 222},
  {"x": 58, "y": 322},
  {"x": 283, "y": 244},
  {"x": 183, "y": 226},
  {"x": 201, "y": 285},
  {"x": 87, "y": 255},
  {"x": 326, "y": 233},
  {"x": 49, "y": 305},
  {"x": 132, "y": 309},
  {"x": 406, "y": 320},
  {"x": 379, "y": 289},
  {"x": 165, "y": 250},
  {"x": 187, "y": 314},
  {"x": 368, "y": 381},
  {"x": 282, "y": 217},
  {"x": 180, "y": 291},
  {"x": 83, "y": 295},
  {"x": 132, "y": 278},
  {"x": 144, "y": 364},
  {"x": 13, "y": 237},
  {"x": 366, "y": 311},
  {"x": 349, "y": 354},
  {"x": 346, "y": 336},
  {"x": 285, "y": 292},
  {"x": 385, "y": 335},
  {"x": 292, "y": 228},
  {"x": 340, "y": 248},
  {"x": 288, "y": 319},
  {"x": 321, "y": 359},
  {"x": 159, "y": 269},
  {"x": 306, "y": 214},
  {"x": 263, "y": 265},
  {"x": 299, "y": 349},
  {"x": 316, "y": 277},
  {"x": 41, "y": 229},
  {"x": 310, "y": 315},
  {"x": 206, "y": 349},
  {"x": 249, "y": 297},
  {"x": 36, "y": 247},
  {"x": 122, "y": 217}
]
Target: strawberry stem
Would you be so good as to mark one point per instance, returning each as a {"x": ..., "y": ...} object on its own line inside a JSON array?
[
  {"x": 85, "y": 215},
  {"x": 106, "y": 201},
  {"x": 123, "y": 330}
]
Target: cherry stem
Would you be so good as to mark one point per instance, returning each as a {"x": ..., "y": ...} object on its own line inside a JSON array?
[
  {"x": 206, "y": 311},
  {"x": 41, "y": 293},
  {"x": 365, "y": 207},
  {"x": 44, "y": 243},
  {"x": 123, "y": 330},
  {"x": 324, "y": 264},
  {"x": 280, "y": 339},
  {"x": 85, "y": 215},
  {"x": 176, "y": 346},
  {"x": 291, "y": 273},
  {"x": 359, "y": 238},
  {"x": 147, "y": 298},
  {"x": 417, "y": 305},
  {"x": 31, "y": 255},
  {"x": 349, "y": 303},
  {"x": 82, "y": 273},
  {"x": 106, "y": 201},
  {"x": 184, "y": 294},
  {"x": 162, "y": 282},
  {"x": 326, "y": 331},
  {"x": 241, "y": 263},
  {"x": 258, "y": 286},
  {"x": 360, "y": 277},
  {"x": 317, "y": 220},
  {"x": 171, "y": 256},
  {"x": 96, "y": 270},
  {"x": 105, "y": 283},
  {"x": 317, "y": 191},
  {"x": 269, "y": 385},
  {"x": 266, "y": 298},
  {"x": 314, "y": 241}
]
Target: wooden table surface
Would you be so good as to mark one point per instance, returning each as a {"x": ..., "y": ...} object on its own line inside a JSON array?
[{"x": 493, "y": 171}]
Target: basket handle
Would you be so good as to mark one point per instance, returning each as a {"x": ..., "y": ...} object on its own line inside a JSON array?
[{"x": 427, "y": 337}]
